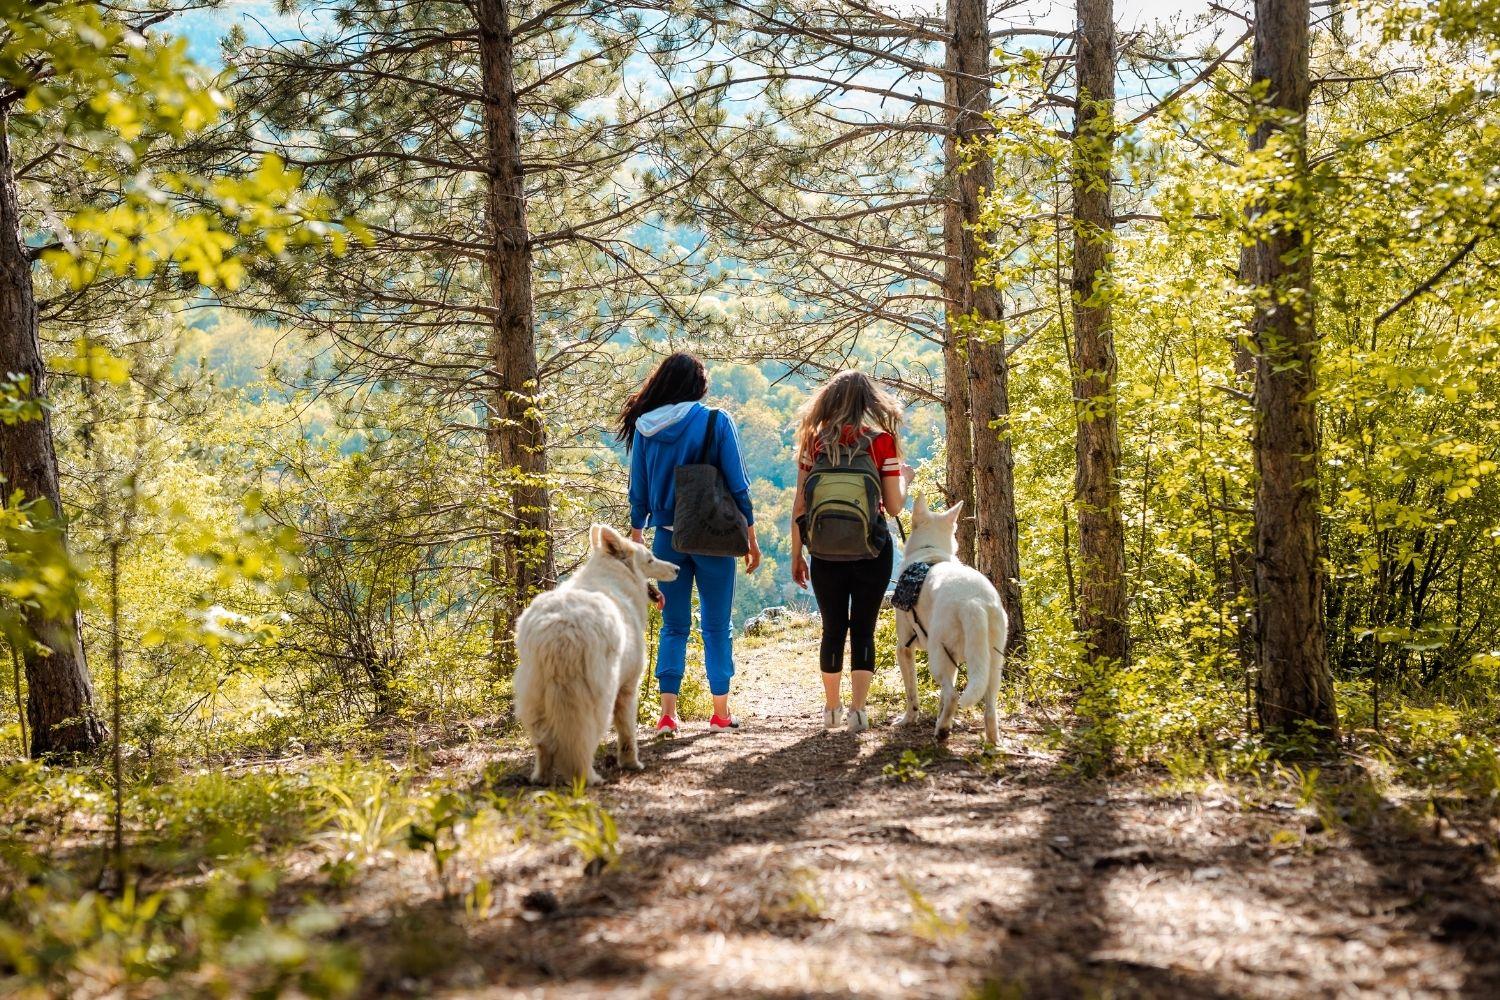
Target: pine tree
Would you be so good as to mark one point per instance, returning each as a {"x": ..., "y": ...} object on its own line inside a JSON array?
[
  {"x": 1101, "y": 530},
  {"x": 504, "y": 157},
  {"x": 1295, "y": 686},
  {"x": 856, "y": 202}
]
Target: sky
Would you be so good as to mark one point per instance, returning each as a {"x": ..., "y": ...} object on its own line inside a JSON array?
[
  {"x": 262, "y": 22},
  {"x": 1139, "y": 13}
]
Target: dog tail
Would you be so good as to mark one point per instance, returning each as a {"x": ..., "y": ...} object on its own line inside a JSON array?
[
  {"x": 561, "y": 697},
  {"x": 977, "y": 653},
  {"x": 999, "y": 637}
]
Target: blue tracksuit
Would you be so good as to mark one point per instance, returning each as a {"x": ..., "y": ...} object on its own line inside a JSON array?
[{"x": 665, "y": 438}]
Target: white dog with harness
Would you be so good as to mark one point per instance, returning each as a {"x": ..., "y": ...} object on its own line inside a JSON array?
[{"x": 952, "y": 612}]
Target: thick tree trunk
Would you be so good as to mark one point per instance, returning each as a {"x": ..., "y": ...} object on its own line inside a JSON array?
[
  {"x": 997, "y": 543},
  {"x": 522, "y": 559},
  {"x": 956, "y": 411},
  {"x": 59, "y": 693},
  {"x": 1102, "y": 623},
  {"x": 959, "y": 450},
  {"x": 1295, "y": 686}
]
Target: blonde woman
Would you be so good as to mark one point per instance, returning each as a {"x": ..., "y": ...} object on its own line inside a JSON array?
[{"x": 850, "y": 477}]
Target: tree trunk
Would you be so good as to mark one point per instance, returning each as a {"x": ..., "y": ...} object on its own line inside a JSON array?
[
  {"x": 956, "y": 412},
  {"x": 959, "y": 447},
  {"x": 1102, "y": 623},
  {"x": 59, "y": 693},
  {"x": 521, "y": 557},
  {"x": 1295, "y": 686},
  {"x": 997, "y": 544}
]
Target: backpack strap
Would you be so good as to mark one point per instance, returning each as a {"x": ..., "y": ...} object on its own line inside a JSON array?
[
  {"x": 863, "y": 444},
  {"x": 705, "y": 457}
]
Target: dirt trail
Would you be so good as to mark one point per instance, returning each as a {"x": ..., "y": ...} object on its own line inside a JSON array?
[{"x": 783, "y": 861}]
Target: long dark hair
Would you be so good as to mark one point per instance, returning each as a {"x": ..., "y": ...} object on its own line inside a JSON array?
[{"x": 681, "y": 378}]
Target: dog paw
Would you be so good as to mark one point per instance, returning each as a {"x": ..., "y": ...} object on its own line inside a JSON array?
[
  {"x": 632, "y": 765},
  {"x": 942, "y": 734},
  {"x": 910, "y": 718}
]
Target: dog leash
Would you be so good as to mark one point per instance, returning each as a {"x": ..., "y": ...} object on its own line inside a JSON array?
[
  {"x": 652, "y": 629},
  {"x": 908, "y": 600},
  {"x": 918, "y": 623}
]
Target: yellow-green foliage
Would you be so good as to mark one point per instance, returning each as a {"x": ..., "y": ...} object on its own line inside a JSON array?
[
  {"x": 1404, "y": 179},
  {"x": 573, "y": 818},
  {"x": 82, "y": 70},
  {"x": 221, "y": 938},
  {"x": 910, "y": 766},
  {"x": 926, "y": 922},
  {"x": 232, "y": 931}
]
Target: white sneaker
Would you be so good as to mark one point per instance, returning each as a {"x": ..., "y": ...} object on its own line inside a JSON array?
[
  {"x": 859, "y": 720},
  {"x": 832, "y": 717}
]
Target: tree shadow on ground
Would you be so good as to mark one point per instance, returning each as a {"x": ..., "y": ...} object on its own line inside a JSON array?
[
  {"x": 1060, "y": 943},
  {"x": 1060, "y": 939},
  {"x": 581, "y": 939},
  {"x": 1440, "y": 885},
  {"x": 1045, "y": 942},
  {"x": 749, "y": 816}
]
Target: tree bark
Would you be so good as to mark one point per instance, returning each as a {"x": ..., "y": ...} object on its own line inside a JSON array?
[
  {"x": 522, "y": 557},
  {"x": 1295, "y": 687},
  {"x": 59, "y": 692},
  {"x": 997, "y": 542},
  {"x": 956, "y": 412},
  {"x": 1102, "y": 625}
]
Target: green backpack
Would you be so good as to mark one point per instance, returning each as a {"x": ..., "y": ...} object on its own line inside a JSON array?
[{"x": 841, "y": 519}]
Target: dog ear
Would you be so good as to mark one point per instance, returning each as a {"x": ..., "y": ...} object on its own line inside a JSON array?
[
  {"x": 919, "y": 511},
  {"x": 594, "y": 535},
  {"x": 951, "y": 514},
  {"x": 613, "y": 543}
]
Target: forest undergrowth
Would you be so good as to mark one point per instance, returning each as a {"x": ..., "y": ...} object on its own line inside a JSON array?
[{"x": 419, "y": 861}]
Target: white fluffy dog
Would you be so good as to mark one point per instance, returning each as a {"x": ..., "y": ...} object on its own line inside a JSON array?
[
  {"x": 957, "y": 616},
  {"x": 582, "y": 649}
]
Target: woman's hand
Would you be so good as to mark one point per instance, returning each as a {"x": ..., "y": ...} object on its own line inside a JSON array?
[
  {"x": 638, "y": 536},
  {"x": 752, "y": 558},
  {"x": 799, "y": 569}
]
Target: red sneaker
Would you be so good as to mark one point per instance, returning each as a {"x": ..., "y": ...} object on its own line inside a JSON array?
[
  {"x": 719, "y": 724},
  {"x": 667, "y": 726}
]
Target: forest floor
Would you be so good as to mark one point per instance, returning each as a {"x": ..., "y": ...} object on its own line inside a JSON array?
[{"x": 785, "y": 861}]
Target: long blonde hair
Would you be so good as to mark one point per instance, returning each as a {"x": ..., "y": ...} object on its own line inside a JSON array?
[{"x": 848, "y": 399}]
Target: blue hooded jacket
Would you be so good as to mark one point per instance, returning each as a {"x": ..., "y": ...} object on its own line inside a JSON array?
[{"x": 673, "y": 435}]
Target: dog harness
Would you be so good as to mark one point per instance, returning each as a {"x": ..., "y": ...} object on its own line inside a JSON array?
[
  {"x": 909, "y": 586},
  {"x": 908, "y": 589}
]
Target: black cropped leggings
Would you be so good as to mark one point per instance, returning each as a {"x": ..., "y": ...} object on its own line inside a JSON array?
[{"x": 849, "y": 596}]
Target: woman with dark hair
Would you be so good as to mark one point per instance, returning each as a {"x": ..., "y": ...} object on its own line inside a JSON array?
[{"x": 664, "y": 426}]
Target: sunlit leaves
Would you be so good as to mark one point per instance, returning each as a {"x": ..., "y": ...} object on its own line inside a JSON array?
[
  {"x": 82, "y": 72},
  {"x": 92, "y": 360},
  {"x": 146, "y": 228},
  {"x": 36, "y": 572},
  {"x": 18, "y": 403}
]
